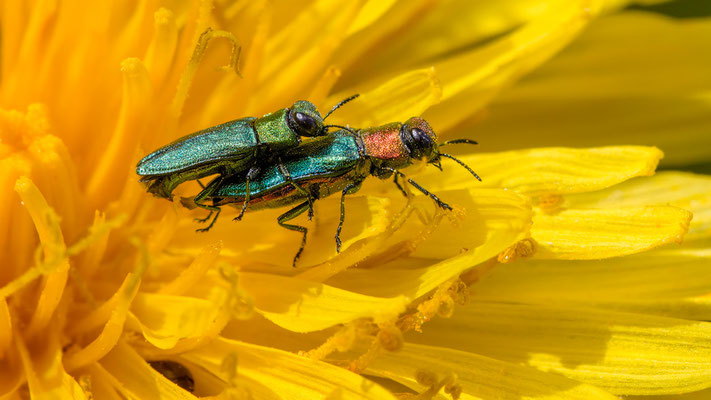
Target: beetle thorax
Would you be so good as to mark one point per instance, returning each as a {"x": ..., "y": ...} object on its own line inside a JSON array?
[{"x": 384, "y": 146}]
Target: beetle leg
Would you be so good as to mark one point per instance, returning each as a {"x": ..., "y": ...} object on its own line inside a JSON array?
[
  {"x": 201, "y": 220},
  {"x": 251, "y": 174},
  {"x": 351, "y": 188},
  {"x": 246, "y": 201},
  {"x": 402, "y": 190},
  {"x": 289, "y": 215},
  {"x": 213, "y": 209},
  {"x": 287, "y": 177},
  {"x": 436, "y": 199},
  {"x": 397, "y": 174}
]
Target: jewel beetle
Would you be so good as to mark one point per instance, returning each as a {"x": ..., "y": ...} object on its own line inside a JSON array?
[
  {"x": 230, "y": 148},
  {"x": 335, "y": 163}
]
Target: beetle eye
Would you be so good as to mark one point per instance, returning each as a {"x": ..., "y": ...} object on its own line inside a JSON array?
[
  {"x": 306, "y": 125},
  {"x": 422, "y": 142}
]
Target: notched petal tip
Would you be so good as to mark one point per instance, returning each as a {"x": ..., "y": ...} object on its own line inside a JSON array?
[{"x": 602, "y": 233}]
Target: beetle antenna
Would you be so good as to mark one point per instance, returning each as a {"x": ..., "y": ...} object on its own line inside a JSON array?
[
  {"x": 342, "y": 102},
  {"x": 341, "y": 127},
  {"x": 458, "y": 141},
  {"x": 462, "y": 164}
]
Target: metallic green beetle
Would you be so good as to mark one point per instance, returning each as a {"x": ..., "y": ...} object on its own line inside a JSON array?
[
  {"x": 227, "y": 148},
  {"x": 230, "y": 148},
  {"x": 336, "y": 163}
]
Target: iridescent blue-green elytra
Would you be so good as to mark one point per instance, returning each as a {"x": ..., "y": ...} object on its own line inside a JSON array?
[
  {"x": 337, "y": 162},
  {"x": 229, "y": 148},
  {"x": 324, "y": 165}
]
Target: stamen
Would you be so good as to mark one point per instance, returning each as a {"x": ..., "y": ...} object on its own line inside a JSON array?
[
  {"x": 161, "y": 50},
  {"x": 390, "y": 337},
  {"x": 521, "y": 249},
  {"x": 137, "y": 95},
  {"x": 449, "y": 383},
  {"x": 188, "y": 75},
  {"x": 342, "y": 341}
]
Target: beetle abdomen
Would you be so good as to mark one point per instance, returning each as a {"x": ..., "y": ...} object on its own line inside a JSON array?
[{"x": 231, "y": 140}]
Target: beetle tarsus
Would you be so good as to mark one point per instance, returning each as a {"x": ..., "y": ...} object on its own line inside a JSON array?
[
  {"x": 212, "y": 209},
  {"x": 289, "y": 215},
  {"x": 203, "y": 220},
  {"x": 436, "y": 199}
]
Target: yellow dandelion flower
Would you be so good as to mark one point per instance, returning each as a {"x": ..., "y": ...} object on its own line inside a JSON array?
[{"x": 560, "y": 276}]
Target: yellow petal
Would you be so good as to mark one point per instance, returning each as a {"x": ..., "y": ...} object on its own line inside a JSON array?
[
  {"x": 5, "y": 327},
  {"x": 495, "y": 220},
  {"x": 14, "y": 375},
  {"x": 695, "y": 308},
  {"x": 472, "y": 78},
  {"x": 548, "y": 170},
  {"x": 417, "y": 32},
  {"x": 680, "y": 189},
  {"x": 700, "y": 395},
  {"x": 367, "y": 221},
  {"x": 135, "y": 379},
  {"x": 620, "y": 352},
  {"x": 165, "y": 319},
  {"x": 352, "y": 53},
  {"x": 258, "y": 240},
  {"x": 113, "y": 312},
  {"x": 47, "y": 379},
  {"x": 671, "y": 281},
  {"x": 194, "y": 272},
  {"x": 102, "y": 383},
  {"x": 303, "y": 306},
  {"x": 398, "y": 99},
  {"x": 303, "y": 47},
  {"x": 266, "y": 372},
  {"x": 604, "y": 89},
  {"x": 595, "y": 233},
  {"x": 371, "y": 11},
  {"x": 479, "y": 377},
  {"x": 57, "y": 265}
]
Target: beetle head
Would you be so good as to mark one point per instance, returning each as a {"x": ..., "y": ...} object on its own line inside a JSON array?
[
  {"x": 420, "y": 140},
  {"x": 305, "y": 120}
]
